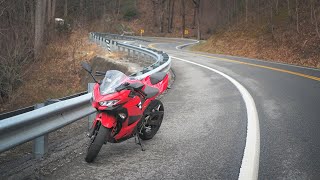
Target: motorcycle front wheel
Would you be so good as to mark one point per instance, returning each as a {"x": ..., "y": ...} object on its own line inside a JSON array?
[
  {"x": 152, "y": 119},
  {"x": 97, "y": 140}
]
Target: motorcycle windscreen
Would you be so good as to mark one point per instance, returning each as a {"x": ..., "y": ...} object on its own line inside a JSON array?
[{"x": 111, "y": 81}]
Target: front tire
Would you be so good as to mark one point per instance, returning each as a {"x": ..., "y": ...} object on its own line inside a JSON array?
[
  {"x": 152, "y": 119},
  {"x": 96, "y": 142}
]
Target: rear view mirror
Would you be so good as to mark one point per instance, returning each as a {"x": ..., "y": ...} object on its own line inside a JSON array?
[{"x": 86, "y": 66}]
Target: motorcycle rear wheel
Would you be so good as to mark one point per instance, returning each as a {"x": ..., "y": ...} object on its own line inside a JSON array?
[
  {"x": 96, "y": 142},
  {"x": 152, "y": 119}
]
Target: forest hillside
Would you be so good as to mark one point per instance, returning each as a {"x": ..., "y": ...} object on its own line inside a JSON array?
[{"x": 37, "y": 49}]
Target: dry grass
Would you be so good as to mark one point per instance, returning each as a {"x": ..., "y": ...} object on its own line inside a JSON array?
[
  {"x": 285, "y": 45},
  {"x": 58, "y": 74}
]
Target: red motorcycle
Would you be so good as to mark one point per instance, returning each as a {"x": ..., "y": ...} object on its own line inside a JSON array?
[{"x": 126, "y": 108}]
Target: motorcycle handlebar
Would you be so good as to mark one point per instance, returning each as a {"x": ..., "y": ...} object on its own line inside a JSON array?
[
  {"x": 100, "y": 73},
  {"x": 126, "y": 86}
]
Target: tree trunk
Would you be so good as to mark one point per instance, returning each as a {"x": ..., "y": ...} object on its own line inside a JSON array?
[
  {"x": 197, "y": 4},
  {"x": 161, "y": 17},
  {"x": 312, "y": 12},
  {"x": 49, "y": 12},
  {"x": 24, "y": 10},
  {"x": 259, "y": 11},
  {"x": 316, "y": 23},
  {"x": 289, "y": 11},
  {"x": 38, "y": 41},
  {"x": 194, "y": 16},
  {"x": 136, "y": 4},
  {"x": 183, "y": 16},
  {"x": 43, "y": 21},
  {"x": 155, "y": 21},
  {"x": 169, "y": 14},
  {"x": 277, "y": 6},
  {"x": 246, "y": 11},
  {"x": 49, "y": 20},
  {"x": 65, "y": 14},
  {"x": 297, "y": 15},
  {"x": 81, "y": 7},
  {"x": 198, "y": 22},
  {"x": 32, "y": 18},
  {"x": 118, "y": 9},
  {"x": 170, "y": 8},
  {"x": 172, "y": 15},
  {"x": 271, "y": 18},
  {"x": 53, "y": 9}
]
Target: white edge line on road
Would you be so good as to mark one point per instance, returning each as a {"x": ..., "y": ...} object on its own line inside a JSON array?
[
  {"x": 180, "y": 46},
  {"x": 168, "y": 38},
  {"x": 250, "y": 162}
]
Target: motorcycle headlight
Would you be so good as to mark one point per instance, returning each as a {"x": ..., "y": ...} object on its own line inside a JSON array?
[{"x": 108, "y": 103}]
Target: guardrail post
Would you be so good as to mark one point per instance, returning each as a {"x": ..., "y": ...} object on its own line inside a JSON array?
[
  {"x": 91, "y": 116},
  {"x": 40, "y": 144},
  {"x": 128, "y": 52}
]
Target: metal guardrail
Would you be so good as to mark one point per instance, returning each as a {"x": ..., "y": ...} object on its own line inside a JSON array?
[
  {"x": 120, "y": 37},
  {"x": 34, "y": 123},
  {"x": 31, "y": 108},
  {"x": 27, "y": 126},
  {"x": 162, "y": 60}
]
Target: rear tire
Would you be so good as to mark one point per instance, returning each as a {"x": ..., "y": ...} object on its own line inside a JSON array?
[
  {"x": 96, "y": 142},
  {"x": 148, "y": 130}
]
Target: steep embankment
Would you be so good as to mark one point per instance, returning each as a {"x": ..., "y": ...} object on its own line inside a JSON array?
[
  {"x": 284, "y": 44},
  {"x": 59, "y": 71}
]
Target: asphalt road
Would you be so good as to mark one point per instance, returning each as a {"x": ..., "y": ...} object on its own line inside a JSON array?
[
  {"x": 204, "y": 132},
  {"x": 287, "y": 99}
]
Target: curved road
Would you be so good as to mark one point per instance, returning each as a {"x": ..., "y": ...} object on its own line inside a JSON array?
[{"x": 204, "y": 133}]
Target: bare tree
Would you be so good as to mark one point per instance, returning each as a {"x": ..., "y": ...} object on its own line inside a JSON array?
[
  {"x": 118, "y": 9},
  {"x": 271, "y": 18},
  {"x": 154, "y": 11},
  {"x": 65, "y": 14},
  {"x": 49, "y": 8},
  {"x": 197, "y": 6},
  {"x": 246, "y": 11},
  {"x": 170, "y": 14},
  {"x": 194, "y": 16},
  {"x": 183, "y": 16},
  {"x": 316, "y": 19},
  {"x": 277, "y": 6},
  {"x": 39, "y": 27},
  {"x": 311, "y": 11},
  {"x": 161, "y": 17},
  {"x": 53, "y": 9},
  {"x": 288, "y": 6},
  {"x": 297, "y": 15},
  {"x": 81, "y": 9}
]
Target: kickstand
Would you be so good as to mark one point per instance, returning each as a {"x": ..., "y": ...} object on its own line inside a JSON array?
[{"x": 137, "y": 140}]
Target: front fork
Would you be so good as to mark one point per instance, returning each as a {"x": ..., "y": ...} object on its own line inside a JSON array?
[{"x": 107, "y": 120}]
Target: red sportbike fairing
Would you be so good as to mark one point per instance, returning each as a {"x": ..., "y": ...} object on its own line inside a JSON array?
[{"x": 126, "y": 108}]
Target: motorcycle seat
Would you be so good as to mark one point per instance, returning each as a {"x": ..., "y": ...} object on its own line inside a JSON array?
[
  {"x": 157, "y": 77},
  {"x": 150, "y": 91}
]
